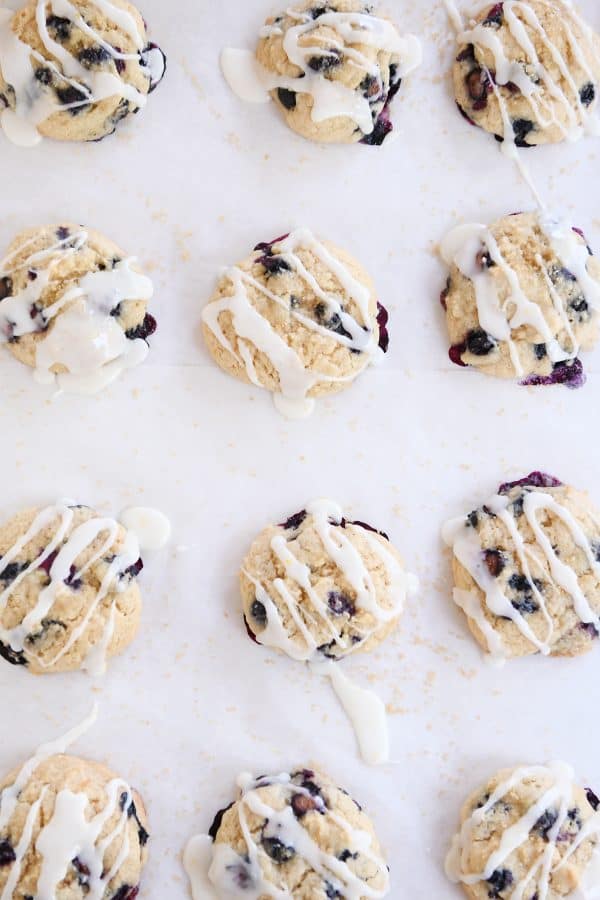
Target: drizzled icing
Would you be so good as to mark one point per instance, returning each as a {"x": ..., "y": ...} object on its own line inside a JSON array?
[
  {"x": 197, "y": 858},
  {"x": 68, "y": 832},
  {"x": 151, "y": 527},
  {"x": 558, "y": 796},
  {"x": 283, "y": 826},
  {"x": 463, "y": 247},
  {"x": 365, "y": 710},
  {"x": 81, "y": 334},
  {"x": 330, "y": 98},
  {"x": 66, "y": 544},
  {"x": 34, "y": 102},
  {"x": 464, "y": 541},
  {"x": 296, "y": 380},
  {"x": 326, "y": 519}
]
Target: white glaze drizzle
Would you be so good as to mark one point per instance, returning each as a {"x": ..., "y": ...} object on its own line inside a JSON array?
[
  {"x": 151, "y": 527},
  {"x": 464, "y": 541},
  {"x": 35, "y": 102},
  {"x": 330, "y": 97},
  {"x": 197, "y": 858},
  {"x": 9, "y": 795},
  {"x": 70, "y": 544},
  {"x": 295, "y": 379},
  {"x": 365, "y": 710},
  {"x": 454, "y": 15},
  {"x": 83, "y": 336},
  {"x": 580, "y": 119},
  {"x": 558, "y": 796},
  {"x": 462, "y": 248},
  {"x": 326, "y": 516},
  {"x": 68, "y": 833},
  {"x": 283, "y": 825}
]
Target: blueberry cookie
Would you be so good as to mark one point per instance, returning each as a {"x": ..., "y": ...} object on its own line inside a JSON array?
[
  {"x": 73, "y": 69},
  {"x": 332, "y": 68},
  {"x": 320, "y": 585},
  {"x": 528, "y": 71},
  {"x": 73, "y": 307},
  {"x": 527, "y": 569},
  {"x": 70, "y": 829},
  {"x": 298, "y": 317},
  {"x": 522, "y": 298},
  {"x": 297, "y": 836},
  {"x": 530, "y": 832},
  {"x": 68, "y": 592}
]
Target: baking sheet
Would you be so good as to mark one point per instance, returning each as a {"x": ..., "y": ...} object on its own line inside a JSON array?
[{"x": 191, "y": 185}]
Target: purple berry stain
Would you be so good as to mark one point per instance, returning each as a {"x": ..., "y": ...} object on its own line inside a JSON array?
[
  {"x": 455, "y": 353},
  {"x": 534, "y": 479},
  {"x": 143, "y": 330},
  {"x": 382, "y": 320},
  {"x": 570, "y": 374}
]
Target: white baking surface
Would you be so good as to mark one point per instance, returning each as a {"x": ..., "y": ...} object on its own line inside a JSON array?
[{"x": 192, "y": 184}]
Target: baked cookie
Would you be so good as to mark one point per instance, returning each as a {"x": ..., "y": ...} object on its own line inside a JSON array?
[
  {"x": 527, "y": 569},
  {"x": 530, "y": 832},
  {"x": 332, "y": 68},
  {"x": 522, "y": 299},
  {"x": 73, "y": 307},
  {"x": 298, "y": 834},
  {"x": 528, "y": 71},
  {"x": 320, "y": 585},
  {"x": 68, "y": 592},
  {"x": 73, "y": 69},
  {"x": 56, "y": 803},
  {"x": 298, "y": 317}
]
